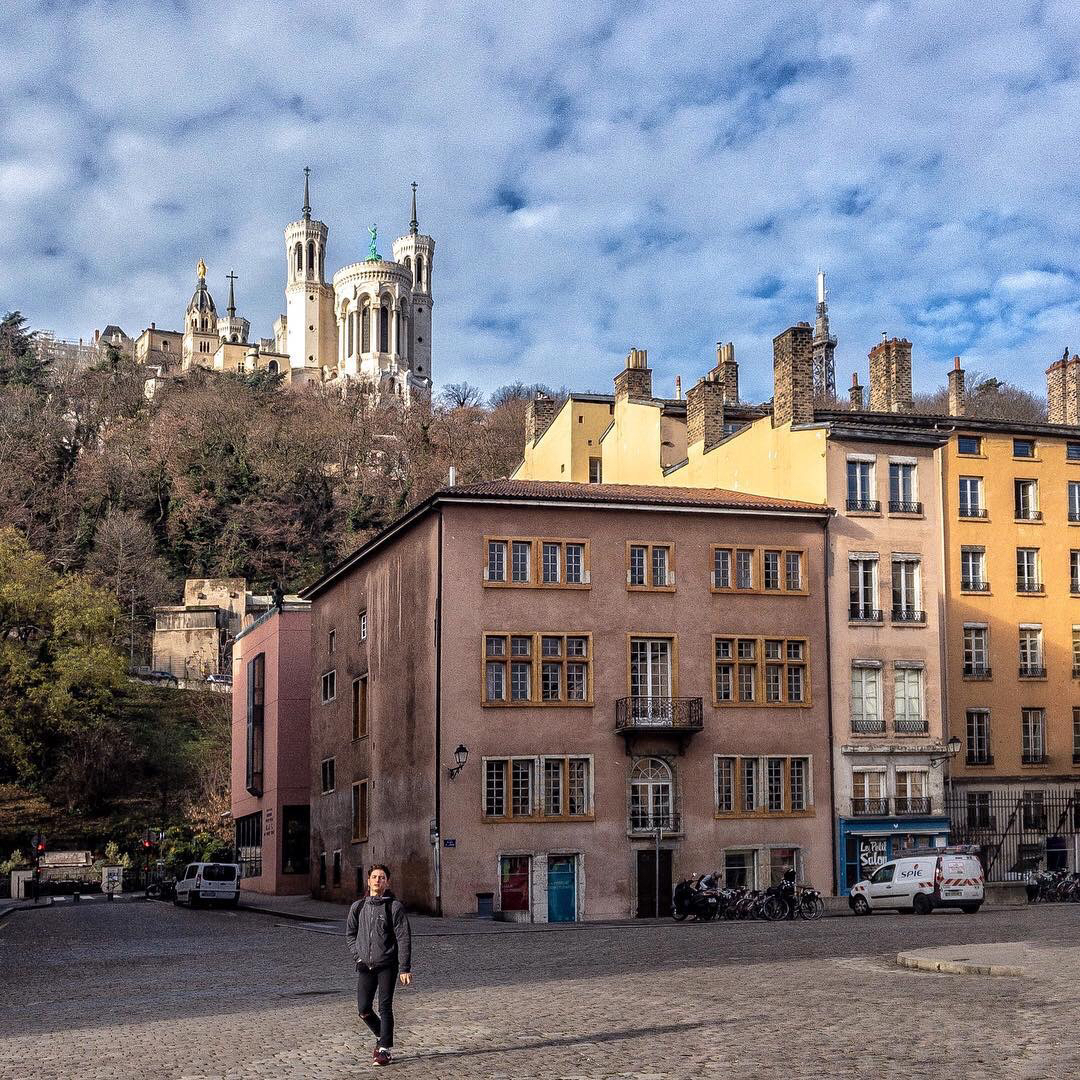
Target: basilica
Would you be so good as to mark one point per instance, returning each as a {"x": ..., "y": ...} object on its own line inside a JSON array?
[{"x": 370, "y": 323}]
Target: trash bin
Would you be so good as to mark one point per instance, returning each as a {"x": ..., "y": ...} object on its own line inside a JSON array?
[{"x": 485, "y": 904}]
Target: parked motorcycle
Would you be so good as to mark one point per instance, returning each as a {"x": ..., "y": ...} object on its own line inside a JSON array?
[{"x": 688, "y": 900}]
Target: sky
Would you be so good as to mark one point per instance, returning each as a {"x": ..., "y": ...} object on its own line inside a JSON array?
[{"x": 596, "y": 176}]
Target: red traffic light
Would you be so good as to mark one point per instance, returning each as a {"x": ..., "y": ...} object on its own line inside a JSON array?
[
  {"x": 147, "y": 844},
  {"x": 40, "y": 847}
]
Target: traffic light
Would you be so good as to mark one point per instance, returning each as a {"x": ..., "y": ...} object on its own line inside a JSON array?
[
  {"x": 147, "y": 845},
  {"x": 38, "y": 844}
]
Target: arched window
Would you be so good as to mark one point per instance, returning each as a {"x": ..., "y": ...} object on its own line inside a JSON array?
[
  {"x": 408, "y": 265},
  {"x": 384, "y": 328},
  {"x": 311, "y": 258},
  {"x": 322, "y": 263},
  {"x": 350, "y": 323},
  {"x": 299, "y": 249},
  {"x": 272, "y": 367},
  {"x": 235, "y": 338},
  {"x": 651, "y": 796},
  {"x": 365, "y": 328},
  {"x": 403, "y": 336},
  {"x": 419, "y": 271}
]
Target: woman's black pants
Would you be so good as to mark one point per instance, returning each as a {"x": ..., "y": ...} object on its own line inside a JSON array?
[{"x": 367, "y": 982}]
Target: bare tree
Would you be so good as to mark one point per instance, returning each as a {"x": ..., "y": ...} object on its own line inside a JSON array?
[{"x": 461, "y": 395}]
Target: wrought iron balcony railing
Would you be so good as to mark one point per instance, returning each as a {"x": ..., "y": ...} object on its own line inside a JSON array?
[
  {"x": 972, "y": 511},
  {"x": 1033, "y": 757},
  {"x": 974, "y": 585},
  {"x": 869, "y": 807},
  {"x": 1032, "y": 671},
  {"x": 908, "y": 615},
  {"x": 645, "y": 821},
  {"x": 912, "y": 804},
  {"x": 859, "y": 613},
  {"x": 980, "y": 757},
  {"x": 910, "y": 726},
  {"x": 864, "y": 506},
  {"x": 978, "y": 671},
  {"x": 868, "y": 727},
  {"x": 898, "y": 506},
  {"x": 1029, "y": 515},
  {"x": 657, "y": 714},
  {"x": 1026, "y": 585}
]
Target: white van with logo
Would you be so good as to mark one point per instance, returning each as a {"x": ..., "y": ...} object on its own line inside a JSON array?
[
  {"x": 209, "y": 881},
  {"x": 927, "y": 879}
]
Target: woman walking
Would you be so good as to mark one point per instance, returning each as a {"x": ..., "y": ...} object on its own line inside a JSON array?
[{"x": 380, "y": 941}]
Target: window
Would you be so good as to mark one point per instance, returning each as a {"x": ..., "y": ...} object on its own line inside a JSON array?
[
  {"x": 866, "y": 718},
  {"x": 909, "y": 717},
  {"x": 496, "y": 564},
  {"x": 721, "y": 577},
  {"x": 799, "y": 783},
  {"x": 968, "y": 444},
  {"x": 296, "y": 839},
  {"x": 322, "y": 869},
  {"x": 336, "y": 880},
  {"x": 725, "y": 784},
  {"x": 520, "y": 561},
  {"x": 329, "y": 686},
  {"x": 911, "y": 791},
  {"x": 770, "y": 671},
  {"x": 771, "y": 570},
  {"x": 1072, "y": 451},
  {"x": 363, "y": 625},
  {"x": 1027, "y": 570},
  {"x": 1076, "y": 651},
  {"x": 740, "y": 870},
  {"x": 978, "y": 810},
  {"x": 749, "y": 785},
  {"x": 1023, "y": 448},
  {"x": 744, "y": 569},
  {"x": 327, "y": 776},
  {"x": 521, "y": 787},
  {"x": 650, "y": 566},
  {"x": 1074, "y": 500},
  {"x": 782, "y": 861},
  {"x": 868, "y": 792},
  {"x": 1074, "y": 571},
  {"x": 862, "y": 589},
  {"x": 971, "y": 496},
  {"x": 513, "y": 869},
  {"x": 976, "y": 652},
  {"x": 651, "y": 680},
  {"x": 510, "y": 787},
  {"x": 359, "y": 707},
  {"x": 360, "y": 811},
  {"x": 575, "y": 565},
  {"x": 978, "y": 737},
  {"x": 793, "y": 576},
  {"x": 331, "y": 641},
  {"x": 651, "y": 803},
  {"x": 1031, "y": 652},
  {"x": 596, "y": 470},
  {"x": 1076, "y": 735},
  {"x": 249, "y": 830},
  {"x": 973, "y": 569},
  {"x": 774, "y": 784},
  {"x": 903, "y": 498},
  {"x": 1026, "y": 500},
  {"x": 860, "y": 485},
  {"x": 551, "y": 567},
  {"x": 531, "y": 669},
  {"x": 905, "y": 590},
  {"x": 1034, "y": 815},
  {"x": 782, "y": 571},
  {"x": 1032, "y": 733},
  {"x": 566, "y": 786},
  {"x": 256, "y": 697}
]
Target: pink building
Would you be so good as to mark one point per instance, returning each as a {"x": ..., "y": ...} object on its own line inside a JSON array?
[{"x": 271, "y": 776}]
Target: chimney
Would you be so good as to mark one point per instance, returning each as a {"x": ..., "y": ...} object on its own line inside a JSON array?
[
  {"x": 856, "y": 392},
  {"x": 451, "y": 480},
  {"x": 890, "y": 375},
  {"x": 539, "y": 413},
  {"x": 793, "y": 376},
  {"x": 153, "y": 326},
  {"x": 705, "y": 412},
  {"x": 678, "y": 388},
  {"x": 956, "y": 389},
  {"x": 97, "y": 334},
  {"x": 1055, "y": 389},
  {"x": 635, "y": 380},
  {"x": 728, "y": 371}
]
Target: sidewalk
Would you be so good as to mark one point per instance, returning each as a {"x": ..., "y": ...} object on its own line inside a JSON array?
[{"x": 1022, "y": 959}]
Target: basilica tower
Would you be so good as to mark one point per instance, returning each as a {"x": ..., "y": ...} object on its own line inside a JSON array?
[
  {"x": 311, "y": 333},
  {"x": 416, "y": 252},
  {"x": 200, "y": 325}
]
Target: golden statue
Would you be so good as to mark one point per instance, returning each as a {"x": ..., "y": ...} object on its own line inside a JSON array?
[{"x": 201, "y": 269}]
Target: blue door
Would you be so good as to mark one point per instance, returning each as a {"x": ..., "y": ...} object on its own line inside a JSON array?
[{"x": 562, "y": 888}]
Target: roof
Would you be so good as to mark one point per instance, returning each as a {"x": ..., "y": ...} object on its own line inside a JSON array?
[
  {"x": 601, "y": 496},
  {"x": 636, "y": 494},
  {"x": 942, "y": 424}
]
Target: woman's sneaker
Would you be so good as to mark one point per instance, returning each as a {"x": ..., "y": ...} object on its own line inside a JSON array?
[{"x": 382, "y": 1057}]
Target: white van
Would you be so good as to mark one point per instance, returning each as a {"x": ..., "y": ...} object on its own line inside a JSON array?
[
  {"x": 210, "y": 881},
  {"x": 920, "y": 882}
]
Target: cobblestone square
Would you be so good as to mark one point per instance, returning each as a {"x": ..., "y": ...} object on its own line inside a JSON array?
[{"x": 135, "y": 989}]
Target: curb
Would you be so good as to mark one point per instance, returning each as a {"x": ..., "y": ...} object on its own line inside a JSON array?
[
  {"x": 286, "y": 914},
  {"x": 958, "y": 967}
]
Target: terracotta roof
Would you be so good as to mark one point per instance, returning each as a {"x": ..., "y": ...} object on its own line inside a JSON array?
[{"x": 646, "y": 494}]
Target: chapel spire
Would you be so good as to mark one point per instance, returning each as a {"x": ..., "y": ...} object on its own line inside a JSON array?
[
  {"x": 307, "y": 195},
  {"x": 414, "y": 225}
]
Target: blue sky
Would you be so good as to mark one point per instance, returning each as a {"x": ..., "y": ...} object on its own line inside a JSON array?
[{"x": 596, "y": 177}]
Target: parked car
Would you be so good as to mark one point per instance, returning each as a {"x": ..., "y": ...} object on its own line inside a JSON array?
[
  {"x": 940, "y": 878},
  {"x": 219, "y": 680},
  {"x": 211, "y": 882},
  {"x": 164, "y": 676}
]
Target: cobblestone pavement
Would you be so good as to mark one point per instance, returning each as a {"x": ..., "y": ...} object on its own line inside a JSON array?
[{"x": 146, "y": 990}]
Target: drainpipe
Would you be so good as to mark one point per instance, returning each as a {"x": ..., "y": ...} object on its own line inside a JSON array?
[
  {"x": 437, "y": 838},
  {"x": 943, "y": 624},
  {"x": 833, "y": 818}
]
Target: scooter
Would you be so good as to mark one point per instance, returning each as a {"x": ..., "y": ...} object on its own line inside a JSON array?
[{"x": 688, "y": 900}]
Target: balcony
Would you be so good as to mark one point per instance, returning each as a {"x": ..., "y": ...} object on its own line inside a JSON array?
[
  {"x": 868, "y": 727},
  {"x": 973, "y": 511},
  {"x": 1076, "y": 757},
  {"x": 864, "y": 506},
  {"x": 910, "y": 727},
  {"x": 1074, "y": 586},
  {"x": 898, "y": 506},
  {"x": 646, "y": 822},
  {"x": 1033, "y": 757},
  {"x": 1026, "y": 585},
  {"x": 974, "y": 585},
  {"x": 1032, "y": 671},
  {"x": 869, "y": 807},
  {"x": 978, "y": 671},
  {"x": 1029, "y": 515},
  {"x": 861, "y": 614},
  {"x": 982, "y": 758},
  {"x": 1074, "y": 516},
  {"x": 656, "y": 716},
  {"x": 912, "y": 804},
  {"x": 908, "y": 615}
]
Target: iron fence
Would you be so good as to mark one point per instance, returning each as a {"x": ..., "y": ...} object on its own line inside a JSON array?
[{"x": 1017, "y": 831}]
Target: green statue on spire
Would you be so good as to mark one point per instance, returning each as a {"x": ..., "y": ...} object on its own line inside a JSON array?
[{"x": 373, "y": 254}]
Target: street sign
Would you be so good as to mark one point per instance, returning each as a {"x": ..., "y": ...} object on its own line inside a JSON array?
[
  {"x": 449, "y": 842},
  {"x": 112, "y": 879}
]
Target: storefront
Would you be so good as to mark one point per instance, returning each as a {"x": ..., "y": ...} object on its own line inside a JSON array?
[{"x": 864, "y": 844}]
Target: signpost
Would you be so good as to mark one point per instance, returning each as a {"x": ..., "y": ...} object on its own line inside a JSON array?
[{"x": 112, "y": 880}]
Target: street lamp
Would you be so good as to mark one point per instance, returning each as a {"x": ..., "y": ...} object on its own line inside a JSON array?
[
  {"x": 461, "y": 756},
  {"x": 952, "y": 748}
]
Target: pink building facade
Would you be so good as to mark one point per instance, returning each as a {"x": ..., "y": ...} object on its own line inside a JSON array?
[{"x": 271, "y": 777}]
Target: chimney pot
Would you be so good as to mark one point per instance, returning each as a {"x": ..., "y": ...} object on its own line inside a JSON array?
[
  {"x": 678, "y": 388},
  {"x": 635, "y": 380},
  {"x": 793, "y": 376},
  {"x": 956, "y": 389},
  {"x": 890, "y": 376}
]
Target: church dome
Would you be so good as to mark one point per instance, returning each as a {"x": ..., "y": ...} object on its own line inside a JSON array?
[{"x": 201, "y": 300}]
